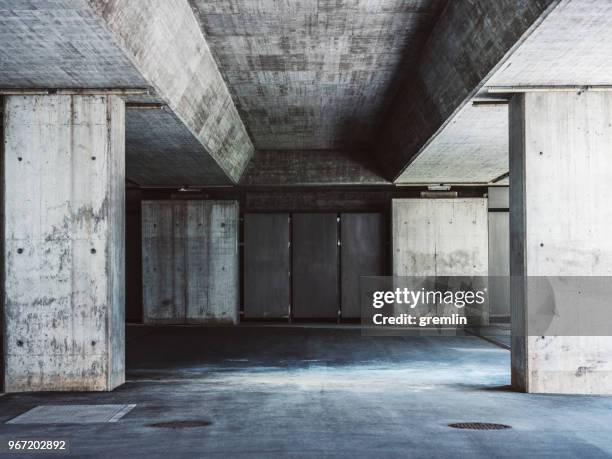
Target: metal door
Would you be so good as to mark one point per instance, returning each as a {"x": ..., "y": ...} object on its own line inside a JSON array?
[
  {"x": 363, "y": 253},
  {"x": 315, "y": 266},
  {"x": 267, "y": 292}
]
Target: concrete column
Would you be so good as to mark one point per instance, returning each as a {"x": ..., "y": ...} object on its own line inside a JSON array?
[
  {"x": 560, "y": 225},
  {"x": 64, "y": 180}
]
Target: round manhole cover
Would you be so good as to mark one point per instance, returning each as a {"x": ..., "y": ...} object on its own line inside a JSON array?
[
  {"x": 479, "y": 426},
  {"x": 181, "y": 424}
]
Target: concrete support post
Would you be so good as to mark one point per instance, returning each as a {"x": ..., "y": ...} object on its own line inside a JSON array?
[
  {"x": 64, "y": 181},
  {"x": 560, "y": 223}
]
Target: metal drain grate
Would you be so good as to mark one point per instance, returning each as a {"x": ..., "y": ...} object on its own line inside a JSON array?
[
  {"x": 479, "y": 426},
  {"x": 181, "y": 424}
]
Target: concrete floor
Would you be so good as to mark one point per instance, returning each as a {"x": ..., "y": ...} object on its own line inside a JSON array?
[{"x": 320, "y": 392}]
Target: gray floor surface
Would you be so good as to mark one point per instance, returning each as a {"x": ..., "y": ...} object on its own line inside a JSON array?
[{"x": 319, "y": 392}]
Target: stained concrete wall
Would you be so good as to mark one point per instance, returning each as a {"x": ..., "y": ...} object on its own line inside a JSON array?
[
  {"x": 190, "y": 261},
  {"x": 469, "y": 41},
  {"x": 64, "y": 185},
  {"x": 560, "y": 220},
  {"x": 499, "y": 253},
  {"x": 441, "y": 237}
]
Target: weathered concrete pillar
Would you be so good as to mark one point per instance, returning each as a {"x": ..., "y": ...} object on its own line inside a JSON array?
[
  {"x": 560, "y": 223},
  {"x": 64, "y": 180}
]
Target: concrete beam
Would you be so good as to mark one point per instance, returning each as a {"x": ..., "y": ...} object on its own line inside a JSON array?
[
  {"x": 64, "y": 182},
  {"x": 566, "y": 50},
  {"x": 329, "y": 167},
  {"x": 163, "y": 40},
  {"x": 468, "y": 42},
  {"x": 103, "y": 46}
]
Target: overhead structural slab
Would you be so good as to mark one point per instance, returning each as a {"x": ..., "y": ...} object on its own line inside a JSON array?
[
  {"x": 472, "y": 148},
  {"x": 155, "y": 45},
  {"x": 315, "y": 75},
  {"x": 468, "y": 41},
  {"x": 565, "y": 47},
  {"x": 570, "y": 47}
]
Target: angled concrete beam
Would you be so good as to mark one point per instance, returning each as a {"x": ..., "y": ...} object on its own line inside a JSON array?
[
  {"x": 468, "y": 43},
  {"x": 164, "y": 42},
  {"x": 566, "y": 52}
]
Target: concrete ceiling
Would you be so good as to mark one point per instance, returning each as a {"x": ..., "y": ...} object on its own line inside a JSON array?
[
  {"x": 315, "y": 74},
  {"x": 569, "y": 46},
  {"x": 173, "y": 145},
  {"x": 572, "y": 46},
  {"x": 473, "y": 148},
  {"x": 155, "y": 45},
  {"x": 60, "y": 44}
]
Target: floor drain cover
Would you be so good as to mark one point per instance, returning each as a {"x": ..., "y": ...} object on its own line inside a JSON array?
[
  {"x": 181, "y": 424},
  {"x": 479, "y": 426}
]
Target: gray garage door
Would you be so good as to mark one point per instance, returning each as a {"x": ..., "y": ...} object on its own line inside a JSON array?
[
  {"x": 363, "y": 254},
  {"x": 267, "y": 263},
  {"x": 315, "y": 266}
]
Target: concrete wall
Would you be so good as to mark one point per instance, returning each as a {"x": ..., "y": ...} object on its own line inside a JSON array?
[
  {"x": 560, "y": 220},
  {"x": 499, "y": 253},
  {"x": 441, "y": 237},
  {"x": 190, "y": 261},
  {"x": 64, "y": 242}
]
